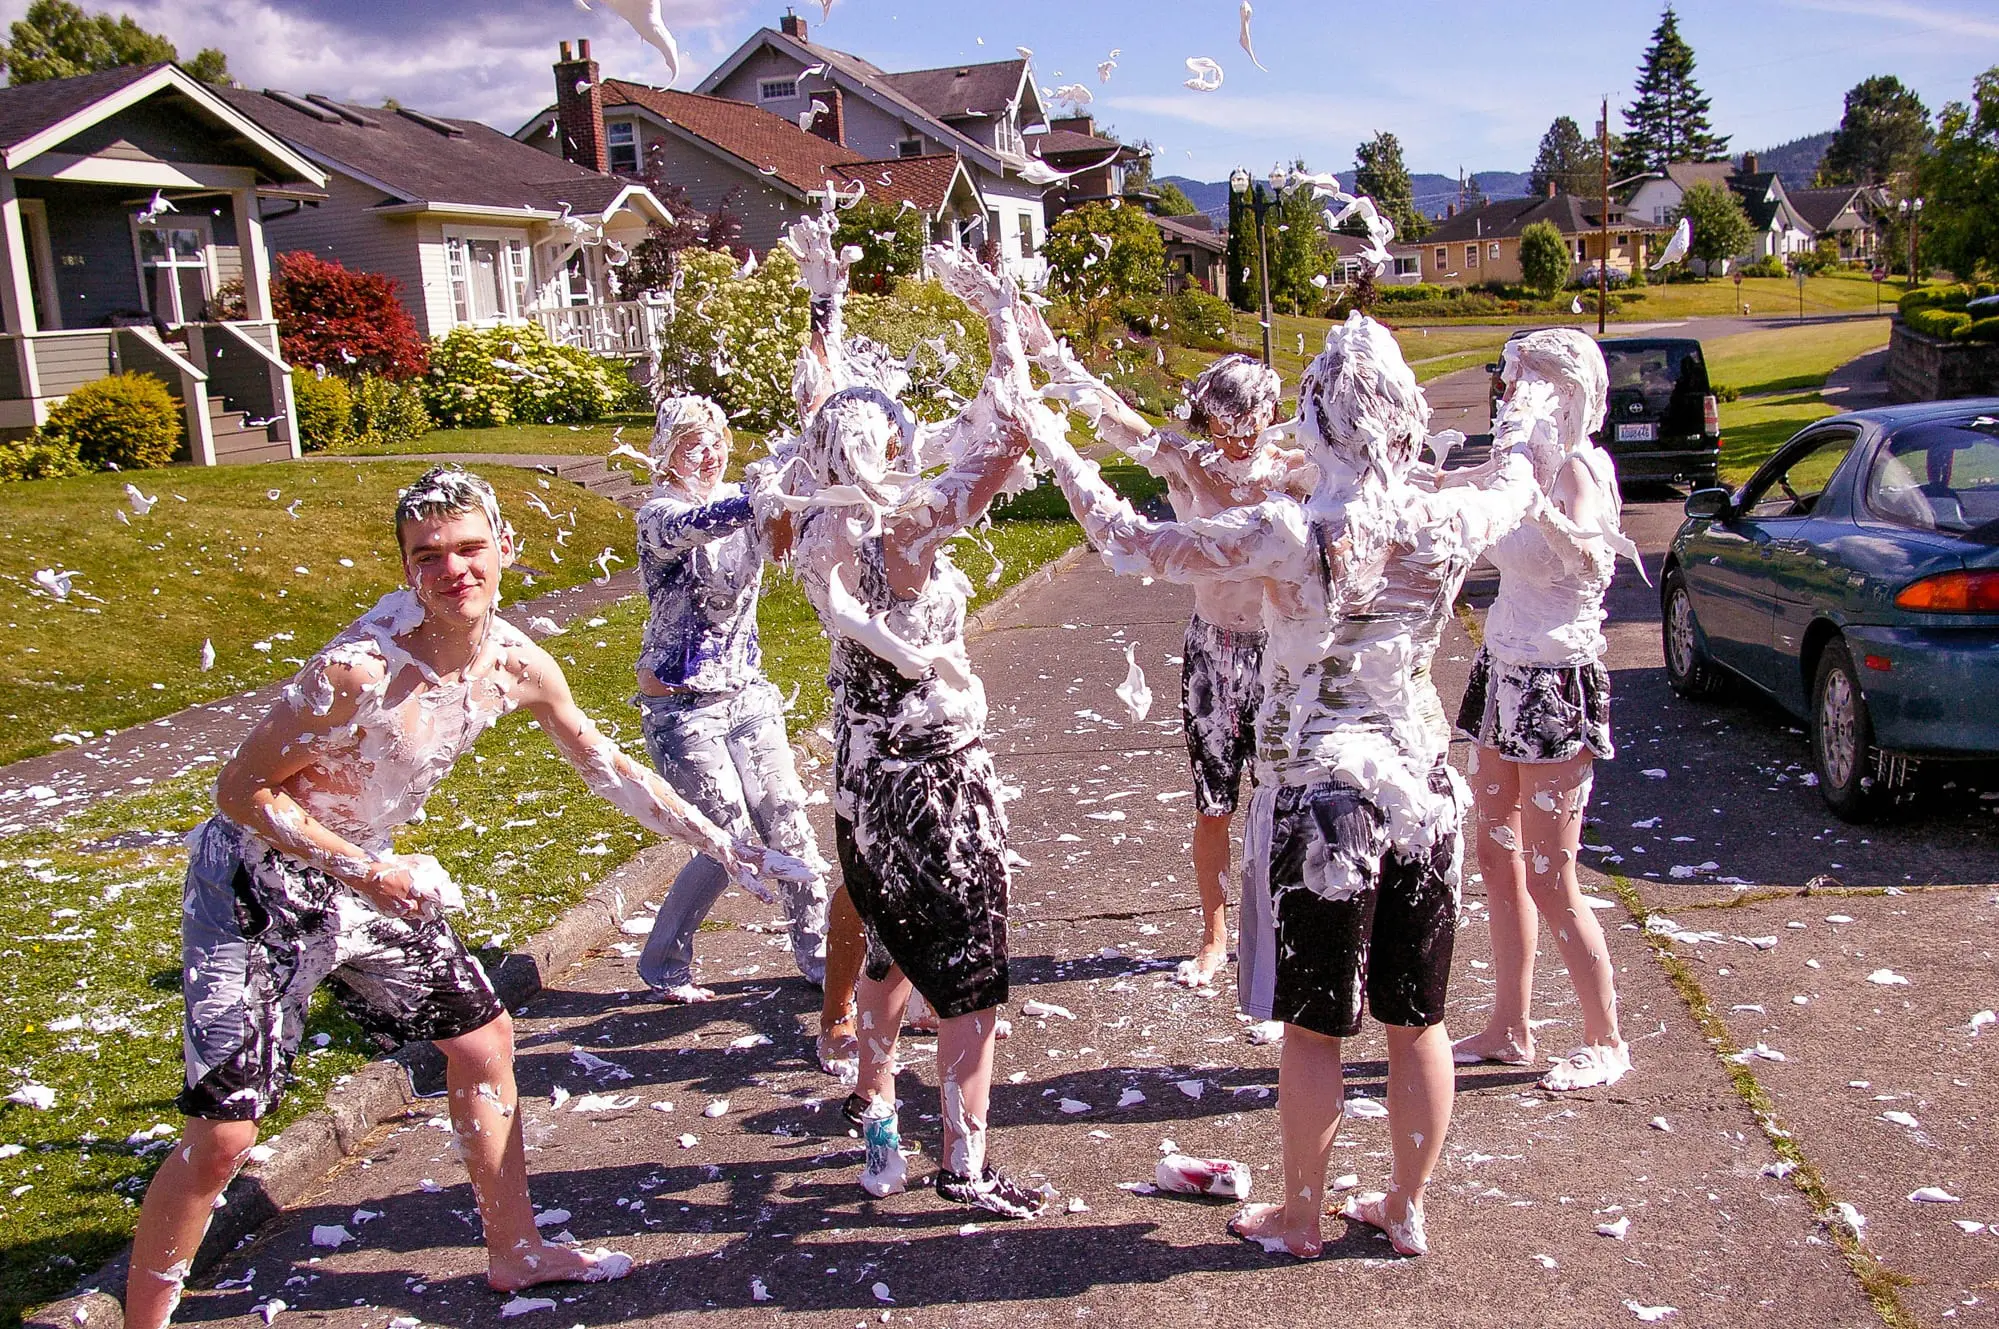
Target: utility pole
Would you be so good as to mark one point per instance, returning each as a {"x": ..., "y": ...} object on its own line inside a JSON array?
[{"x": 1603, "y": 258}]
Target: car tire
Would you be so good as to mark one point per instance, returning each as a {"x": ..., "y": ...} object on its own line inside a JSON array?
[
  {"x": 1843, "y": 738},
  {"x": 1688, "y": 669}
]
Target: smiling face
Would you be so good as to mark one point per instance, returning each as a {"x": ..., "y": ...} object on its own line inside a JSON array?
[
  {"x": 698, "y": 461},
  {"x": 453, "y": 560},
  {"x": 1237, "y": 438}
]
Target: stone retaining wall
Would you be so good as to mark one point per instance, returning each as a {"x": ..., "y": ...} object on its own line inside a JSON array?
[{"x": 1922, "y": 368}]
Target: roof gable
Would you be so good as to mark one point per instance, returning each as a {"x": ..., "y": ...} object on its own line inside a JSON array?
[
  {"x": 957, "y": 91},
  {"x": 925, "y": 182},
  {"x": 1508, "y": 217},
  {"x": 1820, "y": 208},
  {"x": 766, "y": 142}
]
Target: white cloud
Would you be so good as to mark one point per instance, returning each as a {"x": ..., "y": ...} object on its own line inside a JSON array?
[{"x": 1929, "y": 17}]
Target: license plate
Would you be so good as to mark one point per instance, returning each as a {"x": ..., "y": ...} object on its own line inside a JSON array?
[{"x": 1637, "y": 433}]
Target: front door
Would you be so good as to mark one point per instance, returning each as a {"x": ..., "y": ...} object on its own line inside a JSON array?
[{"x": 173, "y": 263}]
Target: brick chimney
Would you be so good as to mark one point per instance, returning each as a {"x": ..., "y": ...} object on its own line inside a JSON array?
[
  {"x": 792, "y": 26},
  {"x": 1551, "y": 189},
  {"x": 1075, "y": 124},
  {"x": 1450, "y": 211},
  {"x": 1749, "y": 163},
  {"x": 832, "y": 126},
  {"x": 579, "y": 110}
]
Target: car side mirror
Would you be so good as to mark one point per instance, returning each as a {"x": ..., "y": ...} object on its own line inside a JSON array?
[
  {"x": 1492, "y": 369},
  {"x": 1709, "y": 503}
]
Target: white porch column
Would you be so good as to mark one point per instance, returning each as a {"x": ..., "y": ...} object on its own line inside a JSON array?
[
  {"x": 256, "y": 259},
  {"x": 17, "y": 300}
]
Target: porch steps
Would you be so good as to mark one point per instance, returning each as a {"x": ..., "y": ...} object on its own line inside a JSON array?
[
  {"x": 593, "y": 474},
  {"x": 238, "y": 441}
]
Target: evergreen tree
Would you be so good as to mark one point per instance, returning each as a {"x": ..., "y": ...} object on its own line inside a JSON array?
[
  {"x": 1244, "y": 290},
  {"x": 1668, "y": 122},
  {"x": 1884, "y": 132},
  {"x": 56, "y": 39},
  {"x": 1471, "y": 195},
  {"x": 1380, "y": 174},
  {"x": 1567, "y": 159}
]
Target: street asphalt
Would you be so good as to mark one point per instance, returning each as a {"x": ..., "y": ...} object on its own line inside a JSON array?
[{"x": 752, "y": 1216}]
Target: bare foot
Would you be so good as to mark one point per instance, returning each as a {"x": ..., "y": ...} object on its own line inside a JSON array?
[
  {"x": 1200, "y": 971},
  {"x": 1486, "y": 1046},
  {"x": 684, "y": 994},
  {"x": 1405, "y": 1235},
  {"x": 840, "y": 1052},
  {"x": 1593, "y": 1067},
  {"x": 556, "y": 1264},
  {"x": 1264, "y": 1225}
]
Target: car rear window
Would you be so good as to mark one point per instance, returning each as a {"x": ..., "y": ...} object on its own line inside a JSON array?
[
  {"x": 1941, "y": 476},
  {"x": 1656, "y": 371}
]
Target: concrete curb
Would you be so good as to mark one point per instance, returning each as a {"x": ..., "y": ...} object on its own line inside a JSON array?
[
  {"x": 314, "y": 1145},
  {"x": 380, "y": 1091}
]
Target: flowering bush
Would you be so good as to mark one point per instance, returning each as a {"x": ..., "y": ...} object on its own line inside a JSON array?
[
  {"x": 39, "y": 457},
  {"x": 388, "y": 412},
  {"x": 481, "y": 377},
  {"x": 346, "y": 323}
]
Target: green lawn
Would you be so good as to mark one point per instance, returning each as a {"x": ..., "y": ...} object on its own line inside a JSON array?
[
  {"x": 592, "y": 440},
  {"x": 266, "y": 582},
  {"x": 1779, "y": 372},
  {"x": 89, "y": 980}
]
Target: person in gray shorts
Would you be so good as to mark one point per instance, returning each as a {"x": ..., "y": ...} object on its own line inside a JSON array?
[{"x": 295, "y": 881}]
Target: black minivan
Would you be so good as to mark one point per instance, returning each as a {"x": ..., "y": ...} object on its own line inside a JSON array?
[{"x": 1662, "y": 423}]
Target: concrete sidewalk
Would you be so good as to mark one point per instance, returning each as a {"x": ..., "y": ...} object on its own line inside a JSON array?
[{"x": 752, "y": 1217}]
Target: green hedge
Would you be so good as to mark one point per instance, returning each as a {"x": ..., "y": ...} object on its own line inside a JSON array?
[
  {"x": 1937, "y": 322},
  {"x": 482, "y": 377},
  {"x": 1985, "y": 329},
  {"x": 39, "y": 458},
  {"x": 129, "y": 421}
]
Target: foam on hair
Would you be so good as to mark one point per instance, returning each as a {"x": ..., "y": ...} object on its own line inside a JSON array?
[
  {"x": 446, "y": 491},
  {"x": 1237, "y": 393},
  {"x": 1360, "y": 403},
  {"x": 847, "y": 442},
  {"x": 1572, "y": 361},
  {"x": 679, "y": 418}
]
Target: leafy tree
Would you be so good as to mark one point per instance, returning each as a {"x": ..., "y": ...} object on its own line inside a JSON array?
[
  {"x": 1170, "y": 200},
  {"x": 1472, "y": 193},
  {"x": 56, "y": 39},
  {"x": 1884, "y": 132},
  {"x": 1380, "y": 174},
  {"x": 1298, "y": 252},
  {"x": 655, "y": 261},
  {"x": 1721, "y": 229},
  {"x": 1668, "y": 122},
  {"x": 1544, "y": 258},
  {"x": 890, "y": 241},
  {"x": 1567, "y": 160},
  {"x": 1959, "y": 180},
  {"x": 350, "y": 323},
  {"x": 1099, "y": 256}
]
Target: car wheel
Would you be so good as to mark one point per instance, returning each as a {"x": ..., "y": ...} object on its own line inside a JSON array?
[
  {"x": 1688, "y": 668},
  {"x": 1843, "y": 738}
]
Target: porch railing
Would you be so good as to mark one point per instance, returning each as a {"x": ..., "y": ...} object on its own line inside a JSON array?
[{"x": 628, "y": 329}]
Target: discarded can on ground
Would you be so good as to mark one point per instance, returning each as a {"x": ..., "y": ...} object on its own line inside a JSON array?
[{"x": 1223, "y": 1177}]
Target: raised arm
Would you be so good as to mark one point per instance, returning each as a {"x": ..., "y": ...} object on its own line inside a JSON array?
[
  {"x": 671, "y": 525},
  {"x": 822, "y": 270}
]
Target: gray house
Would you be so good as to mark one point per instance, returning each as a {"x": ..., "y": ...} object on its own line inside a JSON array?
[
  {"x": 759, "y": 166},
  {"x": 478, "y": 229},
  {"x": 129, "y": 200},
  {"x": 979, "y": 113}
]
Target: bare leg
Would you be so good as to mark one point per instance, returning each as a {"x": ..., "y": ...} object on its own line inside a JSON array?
[
  {"x": 479, "y": 1073},
  {"x": 1420, "y": 1086},
  {"x": 1551, "y": 816},
  {"x": 881, "y": 1007},
  {"x": 965, "y": 1075},
  {"x": 1507, "y": 1036},
  {"x": 845, "y": 954},
  {"x": 1211, "y": 869},
  {"x": 1311, "y": 1088},
  {"x": 175, "y": 1215}
]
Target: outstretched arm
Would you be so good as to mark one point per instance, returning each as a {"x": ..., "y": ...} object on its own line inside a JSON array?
[{"x": 822, "y": 270}]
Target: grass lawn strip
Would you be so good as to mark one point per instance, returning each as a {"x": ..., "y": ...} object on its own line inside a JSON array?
[
  {"x": 1780, "y": 372},
  {"x": 1881, "y": 1284},
  {"x": 89, "y": 985},
  {"x": 267, "y": 579}
]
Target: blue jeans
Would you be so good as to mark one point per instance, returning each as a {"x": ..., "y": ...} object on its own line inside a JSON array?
[{"x": 727, "y": 754}]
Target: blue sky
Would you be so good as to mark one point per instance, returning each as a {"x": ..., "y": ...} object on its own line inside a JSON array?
[{"x": 1459, "y": 87}]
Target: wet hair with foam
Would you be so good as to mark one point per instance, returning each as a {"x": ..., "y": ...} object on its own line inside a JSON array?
[
  {"x": 445, "y": 491},
  {"x": 681, "y": 418},
  {"x": 1570, "y": 360},
  {"x": 1236, "y": 394},
  {"x": 848, "y": 441},
  {"x": 1360, "y": 403}
]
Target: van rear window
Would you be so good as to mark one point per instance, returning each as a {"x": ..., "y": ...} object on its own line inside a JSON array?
[{"x": 1656, "y": 371}]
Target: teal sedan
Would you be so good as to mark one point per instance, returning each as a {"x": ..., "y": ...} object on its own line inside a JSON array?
[{"x": 1855, "y": 581}]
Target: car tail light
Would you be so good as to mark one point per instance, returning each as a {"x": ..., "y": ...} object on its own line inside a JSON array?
[
  {"x": 1710, "y": 416},
  {"x": 1953, "y": 593}
]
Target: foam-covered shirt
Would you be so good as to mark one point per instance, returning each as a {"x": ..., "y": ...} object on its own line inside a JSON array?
[{"x": 702, "y": 565}]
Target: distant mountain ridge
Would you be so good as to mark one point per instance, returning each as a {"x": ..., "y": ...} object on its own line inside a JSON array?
[
  {"x": 1433, "y": 193},
  {"x": 1796, "y": 162}
]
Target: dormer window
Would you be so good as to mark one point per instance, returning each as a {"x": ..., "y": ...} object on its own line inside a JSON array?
[
  {"x": 777, "y": 90},
  {"x": 909, "y": 147}
]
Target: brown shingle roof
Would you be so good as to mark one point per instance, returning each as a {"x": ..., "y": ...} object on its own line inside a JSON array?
[
  {"x": 961, "y": 90},
  {"x": 924, "y": 181},
  {"x": 1510, "y": 216},
  {"x": 1068, "y": 143},
  {"x": 27, "y": 110},
  {"x": 477, "y": 167},
  {"x": 1820, "y": 208},
  {"x": 1181, "y": 230},
  {"x": 769, "y": 142}
]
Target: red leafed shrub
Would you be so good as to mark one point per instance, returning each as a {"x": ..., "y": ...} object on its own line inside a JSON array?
[{"x": 349, "y": 323}]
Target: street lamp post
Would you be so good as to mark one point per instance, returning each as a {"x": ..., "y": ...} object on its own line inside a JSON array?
[
  {"x": 1259, "y": 205},
  {"x": 1913, "y": 210}
]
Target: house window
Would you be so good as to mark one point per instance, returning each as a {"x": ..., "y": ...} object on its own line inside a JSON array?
[
  {"x": 1443, "y": 257},
  {"x": 1408, "y": 265},
  {"x": 1492, "y": 251},
  {"x": 777, "y": 89},
  {"x": 1027, "y": 235},
  {"x": 489, "y": 277},
  {"x": 909, "y": 147},
  {"x": 1582, "y": 253},
  {"x": 173, "y": 261},
  {"x": 623, "y": 137},
  {"x": 1471, "y": 256}
]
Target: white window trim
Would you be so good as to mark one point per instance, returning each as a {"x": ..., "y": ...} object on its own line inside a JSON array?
[
  {"x": 518, "y": 299},
  {"x": 764, "y": 86},
  {"x": 177, "y": 222},
  {"x": 611, "y": 143},
  {"x": 35, "y": 222}
]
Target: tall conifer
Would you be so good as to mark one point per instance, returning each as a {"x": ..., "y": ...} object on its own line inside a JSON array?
[{"x": 1669, "y": 120}]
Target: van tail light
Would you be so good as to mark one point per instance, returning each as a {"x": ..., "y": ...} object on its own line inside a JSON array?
[
  {"x": 1953, "y": 593},
  {"x": 1710, "y": 416}
]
